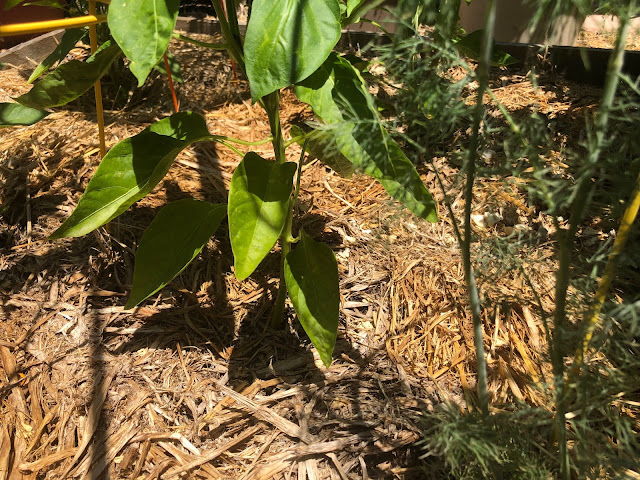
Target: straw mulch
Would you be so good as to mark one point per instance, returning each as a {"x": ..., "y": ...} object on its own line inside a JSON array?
[{"x": 192, "y": 384}]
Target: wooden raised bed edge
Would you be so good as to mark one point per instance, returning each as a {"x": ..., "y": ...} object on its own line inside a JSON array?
[{"x": 577, "y": 64}]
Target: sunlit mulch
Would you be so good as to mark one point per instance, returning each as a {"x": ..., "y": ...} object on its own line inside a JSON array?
[{"x": 193, "y": 384}]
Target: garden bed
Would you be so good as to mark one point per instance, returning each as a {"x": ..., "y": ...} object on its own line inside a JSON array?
[{"x": 191, "y": 383}]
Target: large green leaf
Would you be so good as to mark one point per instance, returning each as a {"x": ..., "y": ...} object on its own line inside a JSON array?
[
  {"x": 323, "y": 147},
  {"x": 71, "y": 79},
  {"x": 12, "y": 114},
  {"x": 174, "y": 238},
  {"x": 130, "y": 170},
  {"x": 339, "y": 96},
  {"x": 259, "y": 198},
  {"x": 68, "y": 41},
  {"x": 287, "y": 40},
  {"x": 311, "y": 273},
  {"x": 143, "y": 30}
]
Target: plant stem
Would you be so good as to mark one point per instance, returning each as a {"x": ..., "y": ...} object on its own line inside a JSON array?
[
  {"x": 232, "y": 18},
  {"x": 474, "y": 298},
  {"x": 271, "y": 104},
  {"x": 277, "y": 314},
  {"x": 299, "y": 171},
  {"x": 213, "y": 46},
  {"x": 233, "y": 45},
  {"x": 219, "y": 138},
  {"x": 272, "y": 107},
  {"x": 286, "y": 239},
  {"x": 566, "y": 238}
]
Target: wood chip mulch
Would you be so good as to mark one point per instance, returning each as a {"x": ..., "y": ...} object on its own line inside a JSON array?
[{"x": 192, "y": 384}]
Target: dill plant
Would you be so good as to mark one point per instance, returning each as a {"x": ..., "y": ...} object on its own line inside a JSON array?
[{"x": 588, "y": 430}]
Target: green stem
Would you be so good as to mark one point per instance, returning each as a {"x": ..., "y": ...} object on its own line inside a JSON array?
[
  {"x": 567, "y": 238},
  {"x": 231, "y": 147},
  {"x": 241, "y": 142},
  {"x": 233, "y": 46},
  {"x": 474, "y": 298},
  {"x": 293, "y": 140},
  {"x": 299, "y": 172},
  {"x": 271, "y": 104},
  {"x": 232, "y": 18},
  {"x": 286, "y": 239},
  {"x": 213, "y": 46}
]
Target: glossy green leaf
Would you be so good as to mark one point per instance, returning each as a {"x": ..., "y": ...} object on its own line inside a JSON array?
[
  {"x": 68, "y": 41},
  {"x": 471, "y": 46},
  {"x": 174, "y": 67},
  {"x": 356, "y": 9},
  {"x": 130, "y": 170},
  {"x": 352, "y": 5},
  {"x": 71, "y": 79},
  {"x": 339, "y": 97},
  {"x": 287, "y": 40},
  {"x": 311, "y": 274},
  {"x": 12, "y": 114},
  {"x": 143, "y": 30},
  {"x": 259, "y": 198},
  {"x": 322, "y": 146},
  {"x": 175, "y": 237}
]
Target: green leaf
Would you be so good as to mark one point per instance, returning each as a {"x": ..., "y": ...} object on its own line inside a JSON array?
[
  {"x": 322, "y": 146},
  {"x": 259, "y": 198},
  {"x": 471, "y": 46},
  {"x": 143, "y": 30},
  {"x": 311, "y": 274},
  {"x": 68, "y": 41},
  {"x": 352, "y": 5},
  {"x": 339, "y": 97},
  {"x": 287, "y": 40},
  {"x": 130, "y": 170},
  {"x": 12, "y": 114},
  {"x": 71, "y": 79},
  {"x": 175, "y": 237},
  {"x": 356, "y": 9},
  {"x": 174, "y": 67}
]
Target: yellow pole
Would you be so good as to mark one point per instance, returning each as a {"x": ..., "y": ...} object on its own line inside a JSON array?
[
  {"x": 49, "y": 25},
  {"x": 591, "y": 321},
  {"x": 93, "y": 38}
]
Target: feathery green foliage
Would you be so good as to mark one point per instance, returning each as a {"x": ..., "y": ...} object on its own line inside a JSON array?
[{"x": 589, "y": 430}]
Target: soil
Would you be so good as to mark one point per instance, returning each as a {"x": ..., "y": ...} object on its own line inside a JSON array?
[{"x": 192, "y": 384}]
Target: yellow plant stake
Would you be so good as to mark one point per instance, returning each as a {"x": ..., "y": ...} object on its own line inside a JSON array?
[
  {"x": 591, "y": 320},
  {"x": 93, "y": 38},
  {"x": 49, "y": 25}
]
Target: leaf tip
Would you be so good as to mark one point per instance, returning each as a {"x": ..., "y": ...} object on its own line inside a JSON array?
[
  {"x": 432, "y": 216},
  {"x": 241, "y": 274},
  {"x": 57, "y": 234},
  {"x": 131, "y": 303},
  {"x": 326, "y": 357}
]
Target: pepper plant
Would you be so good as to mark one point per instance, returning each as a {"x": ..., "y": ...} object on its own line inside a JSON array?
[{"x": 287, "y": 43}]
